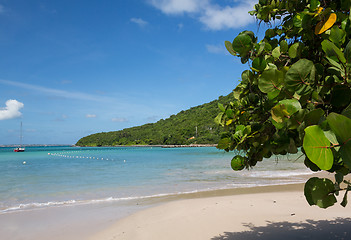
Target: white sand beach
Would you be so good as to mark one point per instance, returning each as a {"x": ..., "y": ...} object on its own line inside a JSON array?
[{"x": 278, "y": 212}]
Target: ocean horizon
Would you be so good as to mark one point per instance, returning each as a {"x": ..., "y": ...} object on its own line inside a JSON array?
[{"x": 57, "y": 176}]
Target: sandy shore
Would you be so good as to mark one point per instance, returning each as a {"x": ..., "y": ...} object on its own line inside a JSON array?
[{"x": 279, "y": 212}]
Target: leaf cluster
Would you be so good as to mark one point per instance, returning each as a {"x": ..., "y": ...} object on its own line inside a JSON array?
[{"x": 296, "y": 93}]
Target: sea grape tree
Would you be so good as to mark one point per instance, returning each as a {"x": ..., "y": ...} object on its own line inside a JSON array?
[{"x": 296, "y": 93}]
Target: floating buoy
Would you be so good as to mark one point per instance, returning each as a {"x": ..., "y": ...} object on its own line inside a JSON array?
[{"x": 24, "y": 162}]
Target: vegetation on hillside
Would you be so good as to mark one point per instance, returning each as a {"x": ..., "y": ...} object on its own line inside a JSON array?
[
  {"x": 193, "y": 126},
  {"x": 297, "y": 93}
]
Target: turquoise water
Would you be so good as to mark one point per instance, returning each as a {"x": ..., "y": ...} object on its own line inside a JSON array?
[{"x": 56, "y": 176}]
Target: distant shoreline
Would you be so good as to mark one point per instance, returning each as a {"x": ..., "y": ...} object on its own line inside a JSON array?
[
  {"x": 161, "y": 146},
  {"x": 72, "y": 145}
]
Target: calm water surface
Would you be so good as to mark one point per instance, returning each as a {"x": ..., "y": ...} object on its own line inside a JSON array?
[{"x": 55, "y": 176}]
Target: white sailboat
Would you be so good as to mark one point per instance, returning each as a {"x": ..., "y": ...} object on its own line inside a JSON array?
[{"x": 20, "y": 148}]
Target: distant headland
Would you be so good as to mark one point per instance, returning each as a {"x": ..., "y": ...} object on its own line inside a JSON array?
[{"x": 194, "y": 126}]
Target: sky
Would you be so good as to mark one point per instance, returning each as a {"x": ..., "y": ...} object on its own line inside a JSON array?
[{"x": 72, "y": 68}]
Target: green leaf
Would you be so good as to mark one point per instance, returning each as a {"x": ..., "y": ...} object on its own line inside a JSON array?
[
  {"x": 313, "y": 117},
  {"x": 267, "y": 47},
  {"x": 344, "y": 200},
  {"x": 345, "y": 151},
  {"x": 307, "y": 22},
  {"x": 300, "y": 76},
  {"x": 314, "y": 4},
  {"x": 341, "y": 96},
  {"x": 259, "y": 64},
  {"x": 229, "y": 112},
  {"x": 309, "y": 185},
  {"x": 242, "y": 44},
  {"x": 311, "y": 165},
  {"x": 270, "y": 81},
  {"x": 346, "y": 4},
  {"x": 333, "y": 51},
  {"x": 238, "y": 163},
  {"x": 341, "y": 126},
  {"x": 335, "y": 64},
  {"x": 295, "y": 50},
  {"x": 269, "y": 33},
  {"x": 224, "y": 143},
  {"x": 298, "y": 20},
  {"x": 320, "y": 192},
  {"x": 260, "y": 47},
  {"x": 247, "y": 76},
  {"x": 229, "y": 47},
  {"x": 339, "y": 178},
  {"x": 330, "y": 135},
  {"x": 292, "y": 105},
  {"x": 276, "y": 52},
  {"x": 284, "y": 47},
  {"x": 221, "y": 107},
  {"x": 218, "y": 119},
  {"x": 347, "y": 111},
  {"x": 347, "y": 52},
  {"x": 316, "y": 147},
  {"x": 337, "y": 35}
]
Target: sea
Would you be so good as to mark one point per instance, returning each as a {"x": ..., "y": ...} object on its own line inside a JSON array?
[{"x": 57, "y": 176}]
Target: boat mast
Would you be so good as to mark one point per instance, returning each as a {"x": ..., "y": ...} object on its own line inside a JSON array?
[{"x": 21, "y": 137}]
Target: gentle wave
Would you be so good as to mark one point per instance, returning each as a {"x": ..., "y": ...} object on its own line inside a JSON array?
[
  {"x": 29, "y": 206},
  {"x": 33, "y": 206}
]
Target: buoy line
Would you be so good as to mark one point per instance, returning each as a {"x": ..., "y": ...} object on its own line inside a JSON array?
[{"x": 65, "y": 155}]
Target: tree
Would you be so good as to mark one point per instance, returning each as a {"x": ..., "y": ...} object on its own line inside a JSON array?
[{"x": 296, "y": 93}]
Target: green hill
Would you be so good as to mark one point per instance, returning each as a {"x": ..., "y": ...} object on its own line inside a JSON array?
[{"x": 193, "y": 126}]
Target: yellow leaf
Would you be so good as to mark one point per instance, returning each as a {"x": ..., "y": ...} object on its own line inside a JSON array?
[
  {"x": 279, "y": 113},
  {"x": 323, "y": 26},
  {"x": 229, "y": 122}
]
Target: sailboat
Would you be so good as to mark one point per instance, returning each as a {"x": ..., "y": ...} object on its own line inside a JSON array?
[{"x": 20, "y": 148}]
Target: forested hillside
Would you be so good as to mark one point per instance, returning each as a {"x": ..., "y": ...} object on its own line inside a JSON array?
[{"x": 193, "y": 126}]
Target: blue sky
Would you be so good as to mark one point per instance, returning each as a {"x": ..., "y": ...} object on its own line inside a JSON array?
[{"x": 72, "y": 68}]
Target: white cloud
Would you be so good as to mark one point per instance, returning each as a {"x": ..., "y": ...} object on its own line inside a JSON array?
[
  {"x": 179, "y": 6},
  {"x": 217, "y": 49},
  {"x": 213, "y": 16},
  {"x": 119, "y": 120},
  {"x": 90, "y": 116},
  {"x": 217, "y": 18},
  {"x": 139, "y": 21},
  {"x": 57, "y": 92},
  {"x": 11, "y": 110}
]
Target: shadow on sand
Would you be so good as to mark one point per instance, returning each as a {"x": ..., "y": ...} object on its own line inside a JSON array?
[{"x": 339, "y": 228}]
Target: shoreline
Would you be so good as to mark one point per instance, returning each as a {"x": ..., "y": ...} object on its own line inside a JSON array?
[
  {"x": 152, "y": 199},
  {"x": 161, "y": 146},
  {"x": 151, "y": 218},
  {"x": 229, "y": 214}
]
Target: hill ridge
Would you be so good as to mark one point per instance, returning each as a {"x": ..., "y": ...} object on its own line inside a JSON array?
[{"x": 192, "y": 126}]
